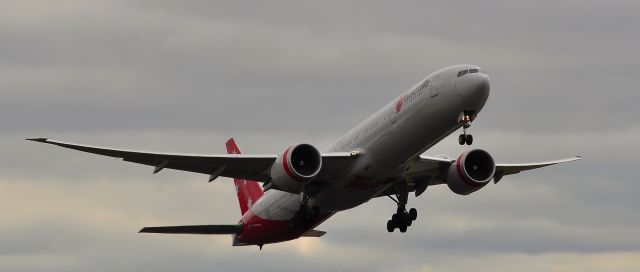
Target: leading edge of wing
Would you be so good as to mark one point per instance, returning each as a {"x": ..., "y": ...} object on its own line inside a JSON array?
[
  {"x": 514, "y": 168},
  {"x": 118, "y": 153}
]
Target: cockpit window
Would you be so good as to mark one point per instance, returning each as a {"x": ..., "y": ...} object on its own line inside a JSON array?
[{"x": 470, "y": 71}]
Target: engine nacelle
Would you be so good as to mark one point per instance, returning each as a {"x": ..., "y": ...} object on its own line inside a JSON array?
[
  {"x": 470, "y": 172},
  {"x": 295, "y": 167}
]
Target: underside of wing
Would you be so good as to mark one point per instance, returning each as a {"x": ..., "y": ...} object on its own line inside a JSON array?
[
  {"x": 253, "y": 167},
  {"x": 426, "y": 171},
  {"x": 243, "y": 166},
  {"x": 432, "y": 167},
  {"x": 423, "y": 172},
  {"x": 195, "y": 229},
  {"x": 503, "y": 169}
]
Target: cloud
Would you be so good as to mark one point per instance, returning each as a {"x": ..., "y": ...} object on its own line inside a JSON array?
[{"x": 185, "y": 76}]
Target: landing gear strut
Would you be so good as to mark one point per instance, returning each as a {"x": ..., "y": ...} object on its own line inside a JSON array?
[
  {"x": 402, "y": 219},
  {"x": 464, "y": 138},
  {"x": 302, "y": 218}
]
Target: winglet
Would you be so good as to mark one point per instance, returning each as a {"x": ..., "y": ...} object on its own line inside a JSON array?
[{"x": 40, "y": 140}]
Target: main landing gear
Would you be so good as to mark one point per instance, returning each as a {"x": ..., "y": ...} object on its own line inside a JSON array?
[
  {"x": 464, "y": 138},
  {"x": 402, "y": 219},
  {"x": 302, "y": 218}
]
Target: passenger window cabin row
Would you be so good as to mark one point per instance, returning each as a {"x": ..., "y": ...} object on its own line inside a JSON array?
[{"x": 470, "y": 71}]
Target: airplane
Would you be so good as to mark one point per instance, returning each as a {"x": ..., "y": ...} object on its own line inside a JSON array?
[{"x": 286, "y": 196}]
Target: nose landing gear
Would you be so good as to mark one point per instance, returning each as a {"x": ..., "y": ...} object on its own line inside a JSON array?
[
  {"x": 465, "y": 118},
  {"x": 465, "y": 138}
]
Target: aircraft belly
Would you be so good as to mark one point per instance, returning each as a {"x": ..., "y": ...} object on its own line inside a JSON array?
[{"x": 277, "y": 205}]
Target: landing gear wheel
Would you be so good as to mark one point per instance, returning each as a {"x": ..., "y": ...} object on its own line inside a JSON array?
[
  {"x": 413, "y": 214},
  {"x": 390, "y": 226},
  {"x": 469, "y": 139},
  {"x": 402, "y": 219},
  {"x": 462, "y": 139},
  {"x": 403, "y": 228}
]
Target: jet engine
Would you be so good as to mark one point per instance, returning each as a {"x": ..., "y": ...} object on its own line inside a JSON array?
[
  {"x": 470, "y": 172},
  {"x": 296, "y": 166}
]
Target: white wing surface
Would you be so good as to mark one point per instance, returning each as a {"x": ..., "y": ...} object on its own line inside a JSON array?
[
  {"x": 426, "y": 166},
  {"x": 250, "y": 167},
  {"x": 503, "y": 169}
]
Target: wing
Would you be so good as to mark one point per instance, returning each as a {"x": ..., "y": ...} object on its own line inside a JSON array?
[
  {"x": 426, "y": 171},
  {"x": 250, "y": 167},
  {"x": 427, "y": 166},
  {"x": 503, "y": 169}
]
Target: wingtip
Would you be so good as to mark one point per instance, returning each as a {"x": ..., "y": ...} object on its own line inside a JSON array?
[{"x": 40, "y": 140}]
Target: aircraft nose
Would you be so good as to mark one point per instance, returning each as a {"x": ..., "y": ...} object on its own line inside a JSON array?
[
  {"x": 479, "y": 86},
  {"x": 476, "y": 92}
]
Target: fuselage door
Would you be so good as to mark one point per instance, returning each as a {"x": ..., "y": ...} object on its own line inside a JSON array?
[{"x": 433, "y": 85}]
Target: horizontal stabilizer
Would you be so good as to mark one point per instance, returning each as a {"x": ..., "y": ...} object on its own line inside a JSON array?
[
  {"x": 313, "y": 233},
  {"x": 195, "y": 229}
]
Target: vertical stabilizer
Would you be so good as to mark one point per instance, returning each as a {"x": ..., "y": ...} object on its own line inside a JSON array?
[{"x": 248, "y": 191}]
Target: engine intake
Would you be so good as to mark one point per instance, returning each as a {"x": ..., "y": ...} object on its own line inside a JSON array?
[
  {"x": 470, "y": 172},
  {"x": 296, "y": 166}
]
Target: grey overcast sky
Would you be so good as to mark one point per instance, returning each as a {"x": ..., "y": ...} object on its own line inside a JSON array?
[{"x": 183, "y": 76}]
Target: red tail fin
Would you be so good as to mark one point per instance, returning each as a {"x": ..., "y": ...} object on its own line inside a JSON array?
[{"x": 248, "y": 191}]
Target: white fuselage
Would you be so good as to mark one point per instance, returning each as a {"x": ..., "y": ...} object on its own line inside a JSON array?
[{"x": 389, "y": 139}]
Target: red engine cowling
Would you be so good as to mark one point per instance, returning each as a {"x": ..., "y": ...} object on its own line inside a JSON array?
[
  {"x": 470, "y": 172},
  {"x": 295, "y": 167}
]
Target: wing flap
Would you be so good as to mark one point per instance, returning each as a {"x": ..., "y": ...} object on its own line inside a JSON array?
[
  {"x": 313, "y": 233},
  {"x": 426, "y": 166},
  {"x": 194, "y": 229}
]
